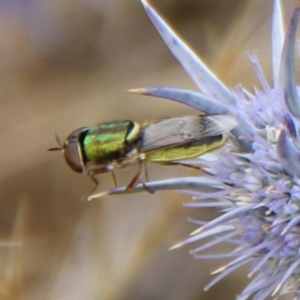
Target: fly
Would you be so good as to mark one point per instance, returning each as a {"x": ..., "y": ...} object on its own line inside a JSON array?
[{"x": 120, "y": 144}]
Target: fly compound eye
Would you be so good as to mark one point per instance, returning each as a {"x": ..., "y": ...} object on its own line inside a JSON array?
[
  {"x": 73, "y": 150},
  {"x": 73, "y": 157}
]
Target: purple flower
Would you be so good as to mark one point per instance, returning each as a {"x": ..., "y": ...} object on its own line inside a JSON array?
[{"x": 255, "y": 178}]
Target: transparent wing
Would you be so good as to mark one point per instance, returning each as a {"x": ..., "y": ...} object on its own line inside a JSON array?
[{"x": 181, "y": 131}]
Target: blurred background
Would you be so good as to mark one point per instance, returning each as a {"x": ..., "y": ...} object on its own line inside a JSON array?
[{"x": 66, "y": 64}]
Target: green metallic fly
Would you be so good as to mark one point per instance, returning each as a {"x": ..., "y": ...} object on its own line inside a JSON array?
[{"x": 119, "y": 144}]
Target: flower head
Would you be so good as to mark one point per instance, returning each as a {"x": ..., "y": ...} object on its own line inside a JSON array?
[{"x": 255, "y": 179}]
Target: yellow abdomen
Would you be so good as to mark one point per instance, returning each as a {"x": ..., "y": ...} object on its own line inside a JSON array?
[{"x": 184, "y": 152}]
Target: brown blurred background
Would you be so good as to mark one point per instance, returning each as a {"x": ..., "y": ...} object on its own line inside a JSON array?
[{"x": 66, "y": 64}]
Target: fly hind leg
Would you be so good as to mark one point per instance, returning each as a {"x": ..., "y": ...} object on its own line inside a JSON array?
[
  {"x": 137, "y": 178},
  {"x": 175, "y": 163}
]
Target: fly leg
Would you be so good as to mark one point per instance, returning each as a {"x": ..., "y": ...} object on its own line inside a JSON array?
[
  {"x": 174, "y": 163},
  {"x": 96, "y": 182},
  {"x": 114, "y": 178},
  {"x": 147, "y": 178},
  {"x": 136, "y": 178}
]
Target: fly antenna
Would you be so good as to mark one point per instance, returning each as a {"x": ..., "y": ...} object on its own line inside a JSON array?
[{"x": 61, "y": 147}]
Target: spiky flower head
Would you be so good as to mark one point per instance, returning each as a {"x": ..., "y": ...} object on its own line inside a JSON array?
[{"x": 255, "y": 179}]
